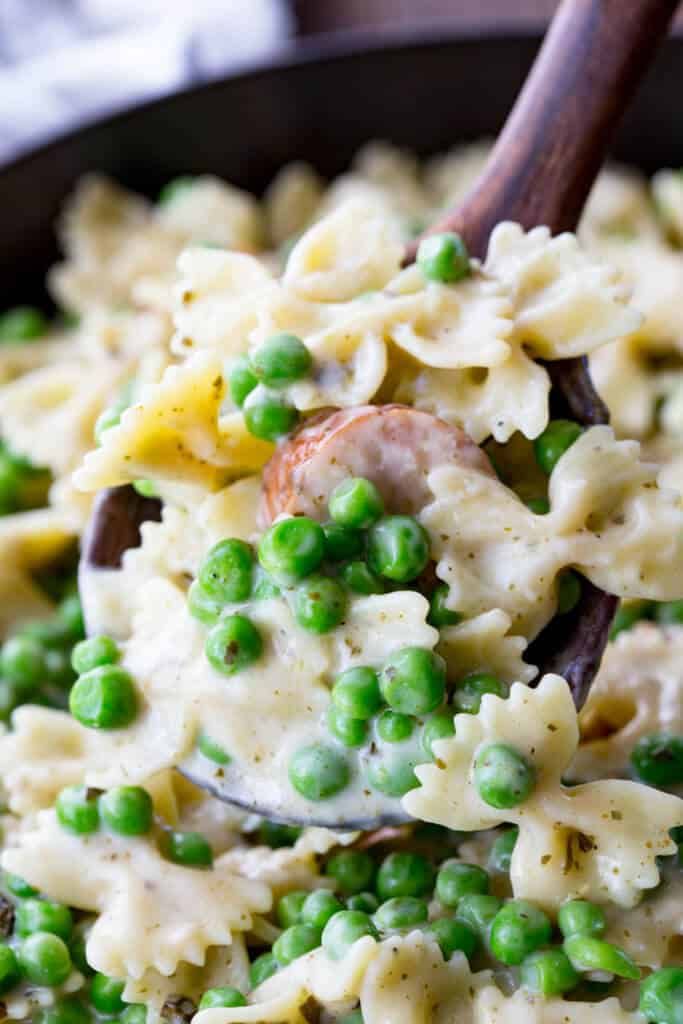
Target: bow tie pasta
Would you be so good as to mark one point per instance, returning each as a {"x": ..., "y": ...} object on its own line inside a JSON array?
[{"x": 595, "y": 841}]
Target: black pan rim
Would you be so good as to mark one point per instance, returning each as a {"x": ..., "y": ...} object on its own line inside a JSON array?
[{"x": 325, "y": 48}]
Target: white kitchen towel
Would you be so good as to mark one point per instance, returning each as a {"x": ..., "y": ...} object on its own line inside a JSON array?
[{"x": 63, "y": 62}]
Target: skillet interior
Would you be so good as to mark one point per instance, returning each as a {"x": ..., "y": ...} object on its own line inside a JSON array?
[{"x": 320, "y": 103}]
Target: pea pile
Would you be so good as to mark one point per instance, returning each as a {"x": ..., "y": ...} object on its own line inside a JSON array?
[
  {"x": 35, "y": 664},
  {"x": 44, "y": 943},
  {"x": 103, "y": 696},
  {"x": 256, "y": 384},
  {"x": 128, "y": 811},
  {"x": 456, "y": 903},
  {"x": 394, "y": 711}
]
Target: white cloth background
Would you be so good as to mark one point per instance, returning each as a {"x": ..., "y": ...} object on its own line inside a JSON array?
[{"x": 66, "y": 61}]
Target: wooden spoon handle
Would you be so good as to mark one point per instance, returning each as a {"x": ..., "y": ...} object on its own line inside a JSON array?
[{"x": 555, "y": 140}]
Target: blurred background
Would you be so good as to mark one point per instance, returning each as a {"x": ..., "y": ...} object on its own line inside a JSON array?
[{"x": 64, "y": 61}]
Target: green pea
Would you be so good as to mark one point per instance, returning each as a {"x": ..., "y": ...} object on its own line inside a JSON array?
[
  {"x": 360, "y": 580},
  {"x": 272, "y": 834},
  {"x": 241, "y": 381},
  {"x": 404, "y": 874},
  {"x": 628, "y": 614},
  {"x": 469, "y": 691},
  {"x": 398, "y": 548},
  {"x": 270, "y": 418},
  {"x": 356, "y": 692},
  {"x": 211, "y": 750},
  {"x": 517, "y": 930},
  {"x": 93, "y": 652},
  {"x": 134, "y": 1013},
  {"x": 413, "y": 680},
  {"x": 356, "y": 503},
  {"x": 22, "y": 663},
  {"x": 292, "y": 549},
  {"x": 23, "y": 323},
  {"x": 295, "y": 942},
  {"x": 503, "y": 777},
  {"x": 341, "y": 542},
  {"x": 66, "y": 1011},
  {"x": 548, "y": 972},
  {"x": 658, "y": 759},
  {"x": 345, "y": 929},
  {"x": 79, "y": 959},
  {"x": 440, "y": 614},
  {"x": 225, "y": 996},
  {"x": 352, "y": 870},
  {"x": 77, "y": 811},
  {"x": 318, "y": 772},
  {"x": 392, "y": 772},
  {"x": 146, "y": 488},
  {"x": 9, "y": 968},
  {"x": 42, "y": 916},
  {"x": 201, "y": 606},
  {"x": 127, "y": 810},
  {"x": 455, "y": 879},
  {"x": 233, "y": 644},
  {"x": 661, "y": 996},
  {"x": 289, "y": 908},
  {"x": 555, "y": 440},
  {"x": 539, "y": 506},
  {"x": 189, "y": 849},
  {"x": 19, "y": 886},
  {"x": 106, "y": 993},
  {"x": 401, "y": 912},
  {"x": 175, "y": 189},
  {"x": 670, "y": 613},
  {"x": 454, "y": 936},
  {"x": 44, "y": 959},
  {"x": 319, "y": 906},
  {"x": 590, "y": 954},
  {"x": 263, "y": 967},
  {"x": 393, "y": 727},
  {"x": 70, "y": 612},
  {"x": 501, "y": 851},
  {"x": 104, "y": 698},
  {"x": 478, "y": 910},
  {"x": 281, "y": 360},
  {"x": 226, "y": 572},
  {"x": 365, "y": 901},
  {"x": 319, "y": 604},
  {"x": 580, "y": 917},
  {"x": 443, "y": 257},
  {"x": 349, "y": 731},
  {"x": 568, "y": 592},
  {"x": 437, "y": 727}
]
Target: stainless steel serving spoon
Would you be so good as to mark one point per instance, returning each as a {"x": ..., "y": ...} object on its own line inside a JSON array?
[{"x": 540, "y": 171}]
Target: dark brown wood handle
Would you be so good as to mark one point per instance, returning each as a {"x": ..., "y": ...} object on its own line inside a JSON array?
[{"x": 555, "y": 140}]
